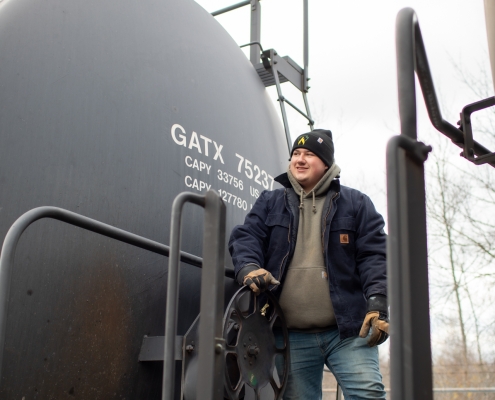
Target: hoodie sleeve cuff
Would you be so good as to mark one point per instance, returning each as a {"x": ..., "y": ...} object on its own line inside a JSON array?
[{"x": 244, "y": 271}]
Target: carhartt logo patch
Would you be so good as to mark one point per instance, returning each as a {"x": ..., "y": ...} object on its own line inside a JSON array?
[
  {"x": 344, "y": 238},
  {"x": 302, "y": 140},
  {"x": 320, "y": 140}
]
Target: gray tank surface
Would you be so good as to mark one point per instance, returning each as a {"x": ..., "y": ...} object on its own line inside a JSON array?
[{"x": 110, "y": 109}]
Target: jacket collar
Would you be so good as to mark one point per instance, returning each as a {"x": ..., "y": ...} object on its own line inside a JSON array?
[{"x": 283, "y": 179}]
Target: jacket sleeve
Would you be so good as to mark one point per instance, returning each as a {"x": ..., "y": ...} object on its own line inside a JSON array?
[
  {"x": 371, "y": 244},
  {"x": 248, "y": 241}
]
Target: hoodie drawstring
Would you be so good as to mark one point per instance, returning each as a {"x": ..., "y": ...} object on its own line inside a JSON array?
[{"x": 301, "y": 205}]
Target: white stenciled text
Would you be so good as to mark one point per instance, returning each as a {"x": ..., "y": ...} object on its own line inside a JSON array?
[
  {"x": 230, "y": 198},
  {"x": 202, "y": 144},
  {"x": 197, "y": 184},
  {"x": 254, "y": 172},
  {"x": 230, "y": 179},
  {"x": 199, "y": 165}
]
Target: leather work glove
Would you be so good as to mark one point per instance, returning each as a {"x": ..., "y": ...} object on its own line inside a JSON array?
[
  {"x": 259, "y": 280},
  {"x": 376, "y": 319}
]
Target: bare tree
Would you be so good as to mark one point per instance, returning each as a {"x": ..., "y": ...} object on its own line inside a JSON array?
[
  {"x": 444, "y": 201},
  {"x": 461, "y": 248}
]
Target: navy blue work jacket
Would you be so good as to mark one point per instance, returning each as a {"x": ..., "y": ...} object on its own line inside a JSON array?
[{"x": 353, "y": 239}]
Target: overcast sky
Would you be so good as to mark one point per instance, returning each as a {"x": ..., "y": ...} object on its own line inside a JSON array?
[{"x": 352, "y": 67}]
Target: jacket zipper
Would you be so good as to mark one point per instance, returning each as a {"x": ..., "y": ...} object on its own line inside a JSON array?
[
  {"x": 325, "y": 224},
  {"x": 288, "y": 239},
  {"x": 323, "y": 247}
]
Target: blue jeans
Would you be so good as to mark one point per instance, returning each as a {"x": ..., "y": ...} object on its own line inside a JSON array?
[{"x": 354, "y": 365}]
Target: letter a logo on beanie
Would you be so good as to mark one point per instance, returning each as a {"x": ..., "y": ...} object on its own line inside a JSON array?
[{"x": 302, "y": 140}]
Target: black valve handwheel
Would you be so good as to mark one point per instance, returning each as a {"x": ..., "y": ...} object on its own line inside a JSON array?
[{"x": 257, "y": 345}]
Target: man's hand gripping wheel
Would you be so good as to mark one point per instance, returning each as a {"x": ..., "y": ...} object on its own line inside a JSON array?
[{"x": 259, "y": 280}]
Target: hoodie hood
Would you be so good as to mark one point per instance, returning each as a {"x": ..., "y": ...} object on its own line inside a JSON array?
[{"x": 320, "y": 189}]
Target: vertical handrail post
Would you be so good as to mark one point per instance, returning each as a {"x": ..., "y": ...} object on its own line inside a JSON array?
[
  {"x": 306, "y": 45},
  {"x": 407, "y": 262},
  {"x": 306, "y": 62},
  {"x": 254, "y": 52},
  {"x": 173, "y": 291},
  {"x": 211, "y": 343}
]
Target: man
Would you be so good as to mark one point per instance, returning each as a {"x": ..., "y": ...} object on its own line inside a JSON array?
[{"x": 320, "y": 247}]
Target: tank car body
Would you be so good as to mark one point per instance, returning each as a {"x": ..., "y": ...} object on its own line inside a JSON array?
[{"x": 110, "y": 109}]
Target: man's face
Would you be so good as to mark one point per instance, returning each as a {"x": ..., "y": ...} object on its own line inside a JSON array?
[{"x": 307, "y": 168}]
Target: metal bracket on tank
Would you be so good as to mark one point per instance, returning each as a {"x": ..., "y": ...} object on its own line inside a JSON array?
[
  {"x": 152, "y": 348},
  {"x": 275, "y": 70}
]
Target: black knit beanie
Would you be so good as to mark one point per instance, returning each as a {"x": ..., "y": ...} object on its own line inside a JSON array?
[{"x": 319, "y": 141}]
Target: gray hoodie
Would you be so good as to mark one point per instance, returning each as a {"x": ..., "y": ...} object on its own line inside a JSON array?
[{"x": 305, "y": 297}]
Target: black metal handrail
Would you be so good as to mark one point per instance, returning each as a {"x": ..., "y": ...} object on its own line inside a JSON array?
[
  {"x": 411, "y": 57},
  {"x": 13, "y": 235},
  {"x": 407, "y": 262}
]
